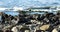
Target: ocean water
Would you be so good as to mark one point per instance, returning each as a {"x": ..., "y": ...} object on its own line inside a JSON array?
[
  {"x": 36, "y": 13},
  {"x": 13, "y": 13}
]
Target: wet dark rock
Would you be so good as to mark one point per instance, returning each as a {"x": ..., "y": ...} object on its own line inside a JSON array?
[
  {"x": 12, "y": 17},
  {"x": 1, "y": 30},
  {"x": 23, "y": 20},
  {"x": 39, "y": 31},
  {"x": 28, "y": 23},
  {"x": 8, "y": 31},
  {"x": 23, "y": 29}
]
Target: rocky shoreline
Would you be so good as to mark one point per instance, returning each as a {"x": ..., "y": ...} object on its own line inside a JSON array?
[{"x": 47, "y": 22}]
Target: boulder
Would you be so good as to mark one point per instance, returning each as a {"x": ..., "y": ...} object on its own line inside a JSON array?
[
  {"x": 44, "y": 27},
  {"x": 15, "y": 29},
  {"x": 54, "y": 30},
  {"x": 26, "y": 30}
]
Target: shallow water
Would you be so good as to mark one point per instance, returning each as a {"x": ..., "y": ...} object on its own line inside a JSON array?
[{"x": 13, "y": 13}]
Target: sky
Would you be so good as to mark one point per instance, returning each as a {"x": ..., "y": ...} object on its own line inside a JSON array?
[{"x": 28, "y": 3}]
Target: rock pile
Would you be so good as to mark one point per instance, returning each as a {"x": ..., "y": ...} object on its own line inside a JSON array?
[{"x": 48, "y": 22}]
